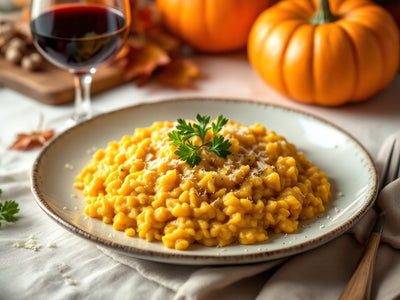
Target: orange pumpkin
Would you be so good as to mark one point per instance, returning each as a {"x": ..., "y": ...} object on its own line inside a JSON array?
[
  {"x": 327, "y": 53},
  {"x": 211, "y": 25}
]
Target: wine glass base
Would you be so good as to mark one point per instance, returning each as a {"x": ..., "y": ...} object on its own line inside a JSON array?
[{"x": 77, "y": 118}]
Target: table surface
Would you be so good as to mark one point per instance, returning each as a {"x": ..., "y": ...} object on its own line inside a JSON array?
[{"x": 225, "y": 76}]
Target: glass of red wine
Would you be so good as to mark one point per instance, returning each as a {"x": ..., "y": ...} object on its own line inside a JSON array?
[{"x": 79, "y": 36}]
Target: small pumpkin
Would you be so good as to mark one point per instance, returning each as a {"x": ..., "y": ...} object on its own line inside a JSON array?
[
  {"x": 211, "y": 25},
  {"x": 326, "y": 53}
]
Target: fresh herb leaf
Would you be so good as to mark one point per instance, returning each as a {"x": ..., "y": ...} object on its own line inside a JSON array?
[
  {"x": 175, "y": 137},
  {"x": 202, "y": 127},
  {"x": 187, "y": 151},
  {"x": 221, "y": 121},
  {"x": 220, "y": 146},
  {"x": 8, "y": 210}
]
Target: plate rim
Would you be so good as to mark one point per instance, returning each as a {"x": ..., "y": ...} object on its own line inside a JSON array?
[{"x": 194, "y": 259}]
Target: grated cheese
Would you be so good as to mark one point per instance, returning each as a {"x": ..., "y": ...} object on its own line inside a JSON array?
[
  {"x": 69, "y": 281},
  {"x": 51, "y": 245},
  {"x": 63, "y": 267},
  {"x": 91, "y": 150},
  {"x": 69, "y": 166},
  {"x": 29, "y": 244}
]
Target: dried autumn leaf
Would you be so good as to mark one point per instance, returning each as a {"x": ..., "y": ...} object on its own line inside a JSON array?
[
  {"x": 33, "y": 140},
  {"x": 140, "y": 61},
  {"x": 179, "y": 74},
  {"x": 171, "y": 44},
  {"x": 150, "y": 49},
  {"x": 143, "y": 19}
]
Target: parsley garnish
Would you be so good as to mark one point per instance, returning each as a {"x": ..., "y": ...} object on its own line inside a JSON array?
[
  {"x": 8, "y": 209},
  {"x": 187, "y": 151}
]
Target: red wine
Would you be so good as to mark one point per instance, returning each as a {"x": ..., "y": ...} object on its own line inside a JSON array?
[{"x": 79, "y": 37}]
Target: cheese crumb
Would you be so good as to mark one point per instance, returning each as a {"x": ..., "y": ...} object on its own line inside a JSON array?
[
  {"x": 29, "y": 244},
  {"x": 51, "y": 245},
  {"x": 67, "y": 277},
  {"x": 69, "y": 166},
  {"x": 69, "y": 281},
  {"x": 91, "y": 150},
  {"x": 63, "y": 267}
]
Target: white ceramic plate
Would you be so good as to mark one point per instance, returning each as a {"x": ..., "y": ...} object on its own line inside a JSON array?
[{"x": 347, "y": 164}]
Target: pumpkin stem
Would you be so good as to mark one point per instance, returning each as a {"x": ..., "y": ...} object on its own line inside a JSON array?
[{"x": 323, "y": 14}]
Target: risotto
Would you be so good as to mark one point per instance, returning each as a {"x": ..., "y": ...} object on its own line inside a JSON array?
[{"x": 264, "y": 186}]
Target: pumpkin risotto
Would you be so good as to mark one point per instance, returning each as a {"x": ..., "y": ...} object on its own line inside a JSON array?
[{"x": 140, "y": 186}]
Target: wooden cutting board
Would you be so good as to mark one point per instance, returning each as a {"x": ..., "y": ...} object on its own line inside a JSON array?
[{"x": 54, "y": 86}]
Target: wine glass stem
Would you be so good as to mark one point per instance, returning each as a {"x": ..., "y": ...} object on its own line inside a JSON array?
[{"x": 83, "y": 109}]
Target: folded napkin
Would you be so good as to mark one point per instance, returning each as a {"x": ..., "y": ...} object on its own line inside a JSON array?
[{"x": 321, "y": 273}]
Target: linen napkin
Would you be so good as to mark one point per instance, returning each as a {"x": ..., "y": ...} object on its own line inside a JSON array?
[{"x": 321, "y": 273}]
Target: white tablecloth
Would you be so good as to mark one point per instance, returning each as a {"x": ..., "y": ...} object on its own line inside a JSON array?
[{"x": 76, "y": 269}]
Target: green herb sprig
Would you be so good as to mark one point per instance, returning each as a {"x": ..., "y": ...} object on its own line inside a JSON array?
[
  {"x": 187, "y": 151},
  {"x": 8, "y": 210}
]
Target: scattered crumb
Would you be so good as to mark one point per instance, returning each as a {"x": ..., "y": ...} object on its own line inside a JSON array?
[
  {"x": 245, "y": 250},
  {"x": 69, "y": 166},
  {"x": 322, "y": 226},
  {"x": 19, "y": 244},
  {"x": 340, "y": 194},
  {"x": 91, "y": 150},
  {"x": 51, "y": 245},
  {"x": 69, "y": 281},
  {"x": 63, "y": 267},
  {"x": 74, "y": 196},
  {"x": 75, "y": 208},
  {"x": 65, "y": 208},
  {"x": 29, "y": 244}
]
